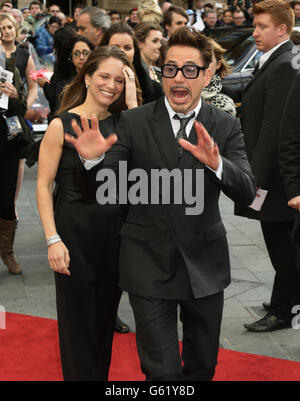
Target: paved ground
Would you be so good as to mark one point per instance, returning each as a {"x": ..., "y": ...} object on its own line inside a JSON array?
[{"x": 33, "y": 292}]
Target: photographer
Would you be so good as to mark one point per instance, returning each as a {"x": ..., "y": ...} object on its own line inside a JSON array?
[{"x": 241, "y": 5}]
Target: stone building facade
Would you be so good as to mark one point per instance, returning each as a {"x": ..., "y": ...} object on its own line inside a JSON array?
[{"x": 121, "y": 5}]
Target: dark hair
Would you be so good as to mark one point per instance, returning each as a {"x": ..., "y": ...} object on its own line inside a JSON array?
[
  {"x": 208, "y": 5},
  {"x": 54, "y": 20},
  {"x": 168, "y": 15},
  {"x": 124, "y": 28},
  {"x": 118, "y": 27},
  {"x": 36, "y": 3},
  {"x": 61, "y": 36},
  {"x": 192, "y": 38},
  {"x": 142, "y": 30},
  {"x": 133, "y": 9},
  {"x": 114, "y": 12},
  {"x": 51, "y": 5},
  {"x": 74, "y": 94},
  {"x": 64, "y": 67}
]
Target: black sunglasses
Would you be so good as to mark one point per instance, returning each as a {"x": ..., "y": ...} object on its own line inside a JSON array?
[{"x": 189, "y": 71}]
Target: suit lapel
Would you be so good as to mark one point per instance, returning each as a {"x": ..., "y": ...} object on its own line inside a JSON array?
[
  {"x": 285, "y": 47},
  {"x": 163, "y": 134}
]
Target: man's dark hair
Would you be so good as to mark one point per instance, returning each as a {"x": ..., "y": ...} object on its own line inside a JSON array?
[
  {"x": 36, "y": 3},
  {"x": 133, "y": 9},
  {"x": 114, "y": 12},
  {"x": 208, "y": 5},
  {"x": 294, "y": 3},
  {"x": 205, "y": 14},
  {"x": 193, "y": 38},
  {"x": 51, "y": 5},
  {"x": 168, "y": 15}
]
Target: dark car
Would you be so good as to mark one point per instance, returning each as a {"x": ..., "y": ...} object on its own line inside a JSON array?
[{"x": 241, "y": 55}]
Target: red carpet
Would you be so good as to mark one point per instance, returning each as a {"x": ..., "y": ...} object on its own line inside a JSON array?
[{"x": 29, "y": 351}]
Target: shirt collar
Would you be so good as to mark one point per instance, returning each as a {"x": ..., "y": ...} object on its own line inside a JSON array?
[
  {"x": 268, "y": 54},
  {"x": 172, "y": 112}
]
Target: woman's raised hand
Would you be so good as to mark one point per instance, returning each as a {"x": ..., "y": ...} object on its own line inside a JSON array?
[
  {"x": 89, "y": 143},
  {"x": 130, "y": 87}
]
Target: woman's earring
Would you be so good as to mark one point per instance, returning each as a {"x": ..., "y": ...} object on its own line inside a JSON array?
[{"x": 87, "y": 86}]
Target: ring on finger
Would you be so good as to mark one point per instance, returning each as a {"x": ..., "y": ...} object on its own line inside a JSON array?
[
  {"x": 211, "y": 145},
  {"x": 132, "y": 79}
]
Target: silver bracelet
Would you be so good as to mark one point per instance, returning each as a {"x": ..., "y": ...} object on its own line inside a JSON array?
[{"x": 52, "y": 240}]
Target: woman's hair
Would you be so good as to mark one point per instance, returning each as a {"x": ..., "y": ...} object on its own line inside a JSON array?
[
  {"x": 61, "y": 36},
  {"x": 12, "y": 19},
  {"x": 142, "y": 30},
  {"x": 64, "y": 68},
  {"x": 117, "y": 28},
  {"x": 75, "y": 93},
  {"x": 219, "y": 52},
  {"x": 54, "y": 20},
  {"x": 123, "y": 28}
]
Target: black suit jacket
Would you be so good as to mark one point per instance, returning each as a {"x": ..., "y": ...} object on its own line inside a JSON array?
[
  {"x": 262, "y": 106},
  {"x": 164, "y": 252},
  {"x": 289, "y": 150}
]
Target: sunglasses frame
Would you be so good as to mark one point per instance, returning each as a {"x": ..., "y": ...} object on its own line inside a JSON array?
[
  {"x": 80, "y": 53},
  {"x": 199, "y": 68}
]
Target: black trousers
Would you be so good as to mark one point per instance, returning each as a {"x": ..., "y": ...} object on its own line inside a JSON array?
[
  {"x": 285, "y": 260},
  {"x": 157, "y": 338},
  {"x": 86, "y": 316}
]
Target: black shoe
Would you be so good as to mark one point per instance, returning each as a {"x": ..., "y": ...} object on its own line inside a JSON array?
[
  {"x": 268, "y": 323},
  {"x": 267, "y": 306},
  {"x": 120, "y": 326}
]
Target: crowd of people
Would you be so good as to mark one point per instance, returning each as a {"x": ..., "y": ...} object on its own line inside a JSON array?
[{"x": 147, "y": 88}]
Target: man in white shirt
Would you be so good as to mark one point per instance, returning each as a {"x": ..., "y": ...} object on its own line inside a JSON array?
[
  {"x": 168, "y": 258},
  {"x": 262, "y": 106}
]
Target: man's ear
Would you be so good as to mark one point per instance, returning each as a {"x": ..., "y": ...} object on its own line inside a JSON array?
[
  {"x": 207, "y": 76},
  {"x": 282, "y": 29}
]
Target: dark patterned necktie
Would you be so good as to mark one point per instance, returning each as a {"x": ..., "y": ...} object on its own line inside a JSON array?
[
  {"x": 255, "y": 71},
  {"x": 182, "y": 133}
]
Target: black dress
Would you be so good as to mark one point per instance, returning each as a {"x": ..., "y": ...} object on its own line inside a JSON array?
[{"x": 87, "y": 300}]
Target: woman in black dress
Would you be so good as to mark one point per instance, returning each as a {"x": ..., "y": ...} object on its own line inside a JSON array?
[{"x": 82, "y": 236}]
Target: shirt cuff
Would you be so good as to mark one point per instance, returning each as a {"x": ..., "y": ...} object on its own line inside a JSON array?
[
  {"x": 89, "y": 164},
  {"x": 219, "y": 170}
]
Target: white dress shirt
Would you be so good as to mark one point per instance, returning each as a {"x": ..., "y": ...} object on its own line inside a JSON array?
[
  {"x": 176, "y": 126},
  {"x": 265, "y": 57},
  {"x": 88, "y": 164}
]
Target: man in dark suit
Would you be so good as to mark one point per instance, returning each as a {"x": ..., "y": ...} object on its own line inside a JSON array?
[
  {"x": 169, "y": 258},
  {"x": 289, "y": 162},
  {"x": 262, "y": 106}
]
